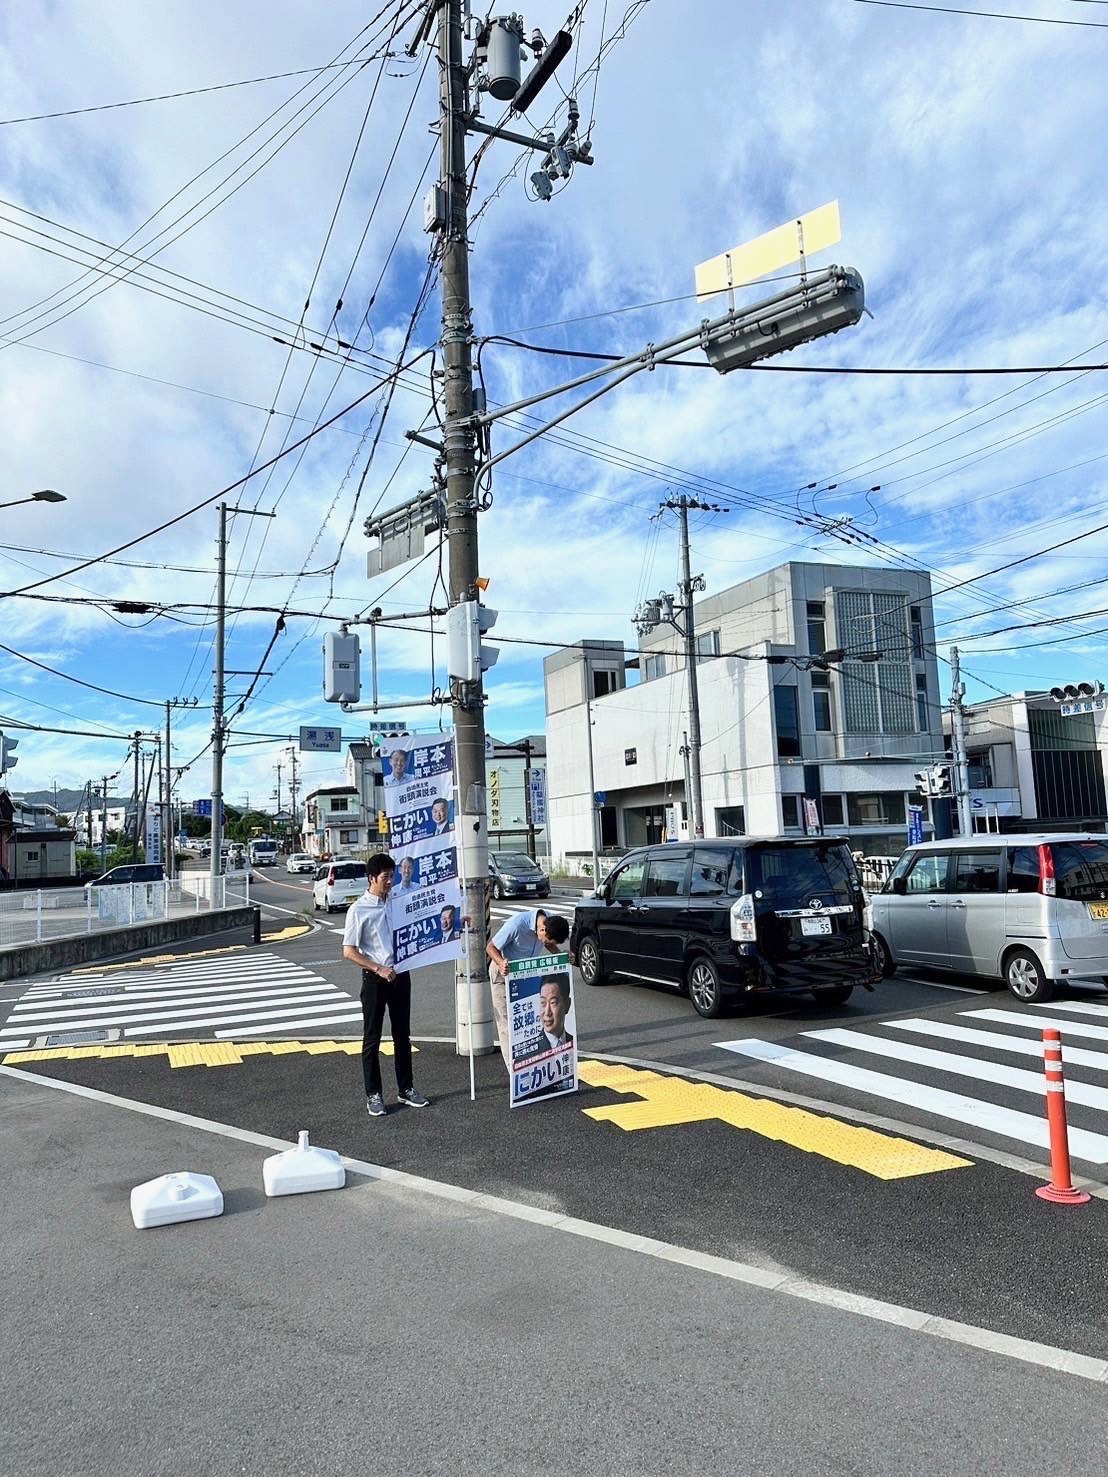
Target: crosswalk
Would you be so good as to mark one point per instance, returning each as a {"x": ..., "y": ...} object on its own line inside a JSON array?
[
  {"x": 247, "y": 995},
  {"x": 961, "y": 1071}
]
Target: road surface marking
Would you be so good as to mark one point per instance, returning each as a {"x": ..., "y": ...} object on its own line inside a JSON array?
[
  {"x": 971, "y": 1112},
  {"x": 665, "y": 1101},
  {"x": 194, "y": 1053},
  {"x": 1038, "y": 1024},
  {"x": 976, "y": 1067},
  {"x": 995, "y": 1041}
]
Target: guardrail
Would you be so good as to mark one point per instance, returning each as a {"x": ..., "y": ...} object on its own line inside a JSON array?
[{"x": 38, "y": 915}]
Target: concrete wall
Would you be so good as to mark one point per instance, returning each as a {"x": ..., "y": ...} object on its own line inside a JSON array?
[{"x": 64, "y": 953}]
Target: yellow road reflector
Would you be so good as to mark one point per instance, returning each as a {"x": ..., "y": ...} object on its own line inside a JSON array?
[
  {"x": 796, "y": 239},
  {"x": 667, "y": 1101}
]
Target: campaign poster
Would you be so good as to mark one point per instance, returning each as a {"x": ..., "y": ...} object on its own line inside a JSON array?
[
  {"x": 426, "y": 900},
  {"x": 542, "y": 1021}
]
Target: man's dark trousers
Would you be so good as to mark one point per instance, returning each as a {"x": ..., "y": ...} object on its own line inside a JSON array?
[{"x": 396, "y": 994}]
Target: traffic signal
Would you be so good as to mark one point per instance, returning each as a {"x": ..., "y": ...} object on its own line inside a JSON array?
[
  {"x": 7, "y": 759},
  {"x": 382, "y": 824},
  {"x": 941, "y": 774},
  {"x": 466, "y": 655},
  {"x": 923, "y": 782},
  {"x": 1076, "y": 692}
]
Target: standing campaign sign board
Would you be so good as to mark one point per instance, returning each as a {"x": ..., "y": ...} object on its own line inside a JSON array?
[
  {"x": 426, "y": 900},
  {"x": 542, "y": 1022}
]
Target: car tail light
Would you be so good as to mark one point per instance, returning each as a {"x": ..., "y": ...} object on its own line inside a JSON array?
[
  {"x": 743, "y": 925},
  {"x": 1047, "y": 885},
  {"x": 331, "y": 878}
]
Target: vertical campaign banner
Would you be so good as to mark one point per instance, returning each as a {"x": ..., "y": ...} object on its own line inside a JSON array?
[
  {"x": 426, "y": 900},
  {"x": 542, "y": 1023},
  {"x": 153, "y": 838}
]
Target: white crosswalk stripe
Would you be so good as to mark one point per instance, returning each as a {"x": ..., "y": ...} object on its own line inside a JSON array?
[
  {"x": 1009, "y": 1098},
  {"x": 250, "y": 994}
]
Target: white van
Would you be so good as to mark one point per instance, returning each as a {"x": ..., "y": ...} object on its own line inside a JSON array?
[{"x": 1032, "y": 910}]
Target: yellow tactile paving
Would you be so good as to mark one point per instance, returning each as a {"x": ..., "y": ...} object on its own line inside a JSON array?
[
  {"x": 666, "y": 1101},
  {"x": 192, "y": 1053},
  {"x": 291, "y": 931},
  {"x": 149, "y": 959}
]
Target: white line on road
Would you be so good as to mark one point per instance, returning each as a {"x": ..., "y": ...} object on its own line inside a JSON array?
[
  {"x": 996, "y": 1041},
  {"x": 950, "y": 1062},
  {"x": 1045, "y": 1356},
  {"x": 974, "y": 1112},
  {"x": 126, "y": 1015},
  {"x": 1038, "y": 1024}
]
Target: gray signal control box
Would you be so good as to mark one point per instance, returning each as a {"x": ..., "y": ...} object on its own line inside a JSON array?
[{"x": 342, "y": 677}]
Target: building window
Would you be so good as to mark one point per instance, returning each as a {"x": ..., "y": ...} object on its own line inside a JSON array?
[
  {"x": 817, "y": 628},
  {"x": 790, "y": 811},
  {"x": 653, "y": 666},
  {"x": 338, "y": 804},
  {"x": 707, "y": 645},
  {"x": 923, "y": 715},
  {"x": 786, "y": 713},
  {"x": 885, "y": 808},
  {"x": 348, "y": 838},
  {"x": 630, "y": 756},
  {"x": 821, "y": 702},
  {"x": 980, "y": 770},
  {"x": 915, "y": 620},
  {"x": 603, "y": 682},
  {"x": 731, "y": 821},
  {"x": 877, "y": 694},
  {"x": 832, "y": 806}
]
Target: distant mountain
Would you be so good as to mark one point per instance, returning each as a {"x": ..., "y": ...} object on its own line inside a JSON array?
[{"x": 68, "y": 800}]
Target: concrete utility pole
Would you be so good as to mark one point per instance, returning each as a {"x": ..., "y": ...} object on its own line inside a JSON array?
[
  {"x": 292, "y": 797},
  {"x": 104, "y": 824},
  {"x": 135, "y": 796},
  {"x": 958, "y": 736},
  {"x": 592, "y": 781},
  {"x": 215, "y": 867},
  {"x": 169, "y": 839},
  {"x": 687, "y": 587},
  {"x": 459, "y": 450}
]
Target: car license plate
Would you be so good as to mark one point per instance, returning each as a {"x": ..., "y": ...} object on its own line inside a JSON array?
[
  {"x": 815, "y": 925},
  {"x": 534, "y": 887},
  {"x": 1098, "y": 910}
]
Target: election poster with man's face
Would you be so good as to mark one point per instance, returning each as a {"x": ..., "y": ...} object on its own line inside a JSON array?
[
  {"x": 542, "y": 1024},
  {"x": 426, "y": 899}
]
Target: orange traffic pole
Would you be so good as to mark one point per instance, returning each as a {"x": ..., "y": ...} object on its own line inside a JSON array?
[{"x": 1060, "y": 1189}]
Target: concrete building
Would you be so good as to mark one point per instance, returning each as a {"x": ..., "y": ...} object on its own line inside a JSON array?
[
  {"x": 1031, "y": 769},
  {"x": 332, "y": 822},
  {"x": 90, "y": 828},
  {"x": 819, "y": 699}
]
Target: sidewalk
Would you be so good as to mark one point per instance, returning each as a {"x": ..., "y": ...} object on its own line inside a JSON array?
[{"x": 377, "y": 1328}]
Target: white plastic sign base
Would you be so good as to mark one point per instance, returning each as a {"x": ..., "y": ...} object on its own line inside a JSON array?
[
  {"x": 303, "y": 1169},
  {"x": 175, "y": 1197}
]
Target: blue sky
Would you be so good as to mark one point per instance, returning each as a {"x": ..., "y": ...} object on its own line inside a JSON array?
[{"x": 966, "y": 155}]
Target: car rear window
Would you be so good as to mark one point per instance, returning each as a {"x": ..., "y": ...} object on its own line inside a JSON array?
[
  {"x": 346, "y": 870},
  {"x": 791, "y": 876},
  {"x": 1080, "y": 869},
  {"x": 665, "y": 875},
  {"x": 715, "y": 872}
]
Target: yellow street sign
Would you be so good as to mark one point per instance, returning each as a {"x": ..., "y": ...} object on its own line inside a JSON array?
[{"x": 792, "y": 242}]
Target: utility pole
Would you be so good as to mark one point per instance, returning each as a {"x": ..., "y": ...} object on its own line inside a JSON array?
[
  {"x": 665, "y": 610},
  {"x": 685, "y": 757},
  {"x": 696, "y": 808},
  {"x": 169, "y": 839},
  {"x": 292, "y": 795},
  {"x": 104, "y": 824},
  {"x": 958, "y": 735},
  {"x": 219, "y": 728},
  {"x": 592, "y": 781},
  {"x": 459, "y": 454},
  {"x": 135, "y": 795},
  {"x": 277, "y": 812}
]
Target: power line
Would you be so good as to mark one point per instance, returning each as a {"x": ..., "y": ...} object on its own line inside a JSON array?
[{"x": 998, "y": 15}]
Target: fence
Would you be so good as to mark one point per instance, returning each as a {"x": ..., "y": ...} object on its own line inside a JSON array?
[{"x": 38, "y": 915}]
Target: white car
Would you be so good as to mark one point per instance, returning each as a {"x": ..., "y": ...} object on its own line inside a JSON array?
[
  {"x": 300, "y": 861},
  {"x": 338, "y": 884}
]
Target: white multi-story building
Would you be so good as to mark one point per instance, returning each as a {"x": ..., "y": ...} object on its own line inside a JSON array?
[
  {"x": 332, "y": 822},
  {"x": 819, "y": 701}
]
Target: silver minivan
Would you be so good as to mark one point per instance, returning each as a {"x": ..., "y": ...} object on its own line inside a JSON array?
[{"x": 1032, "y": 910}]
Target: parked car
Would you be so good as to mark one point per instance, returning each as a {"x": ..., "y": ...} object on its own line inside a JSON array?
[
  {"x": 300, "y": 861},
  {"x": 1030, "y": 910},
  {"x": 721, "y": 919},
  {"x": 131, "y": 872},
  {"x": 514, "y": 874},
  {"x": 337, "y": 884}
]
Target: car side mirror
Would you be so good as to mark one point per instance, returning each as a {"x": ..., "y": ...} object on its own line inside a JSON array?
[{"x": 899, "y": 885}]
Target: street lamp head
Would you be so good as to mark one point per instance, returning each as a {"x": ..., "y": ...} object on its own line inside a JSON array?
[{"x": 48, "y": 495}]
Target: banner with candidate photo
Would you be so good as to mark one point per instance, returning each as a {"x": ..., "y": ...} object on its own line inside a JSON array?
[
  {"x": 426, "y": 900},
  {"x": 542, "y": 1024}
]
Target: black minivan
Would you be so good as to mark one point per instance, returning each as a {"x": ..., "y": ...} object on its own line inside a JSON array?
[{"x": 720, "y": 918}]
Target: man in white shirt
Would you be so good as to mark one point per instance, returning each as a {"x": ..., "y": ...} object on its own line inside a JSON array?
[{"x": 367, "y": 942}]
